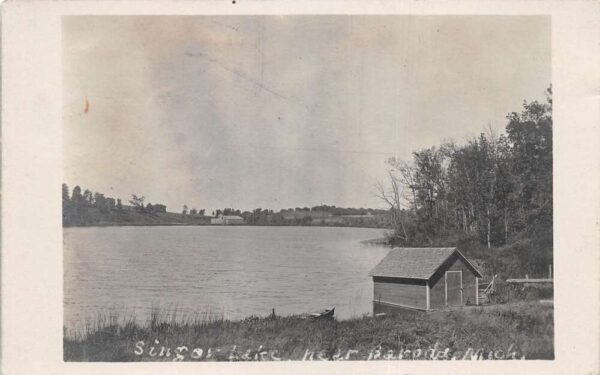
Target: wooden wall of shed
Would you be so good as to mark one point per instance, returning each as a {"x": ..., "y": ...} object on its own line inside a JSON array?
[
  {"x": 405, "y": 292},
  {"x": 437, "y": 284}
]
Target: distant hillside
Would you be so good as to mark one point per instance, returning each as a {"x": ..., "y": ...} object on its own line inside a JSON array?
[
  {"x": 87, "y": 208},
  {"x": 128, "y": 215},
  {"x": 84, "y": 208},
  {"x": 94, "y": 216}
]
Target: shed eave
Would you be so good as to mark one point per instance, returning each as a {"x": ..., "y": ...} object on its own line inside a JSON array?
[
  {"x": 469, "y": 263},
  {"x": 402, "y": 277}
]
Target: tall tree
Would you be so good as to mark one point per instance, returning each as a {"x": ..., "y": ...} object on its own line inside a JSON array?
[
  {"x": 65, "y": 193},
  {"x": 392, "y": 197},
  {"x": 76, "y": 196},
  {"x": 88, "y": 197},
  {"x": 530, "y": 138}
]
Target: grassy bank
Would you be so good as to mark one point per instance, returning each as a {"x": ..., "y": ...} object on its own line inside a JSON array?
[{"x": 507, "y": 331}]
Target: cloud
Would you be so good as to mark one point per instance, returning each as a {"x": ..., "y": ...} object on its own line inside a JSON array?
[{"x": 261, "y": 111}]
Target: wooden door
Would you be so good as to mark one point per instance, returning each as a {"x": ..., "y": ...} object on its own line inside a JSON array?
[{"x": 453, "y": 288}]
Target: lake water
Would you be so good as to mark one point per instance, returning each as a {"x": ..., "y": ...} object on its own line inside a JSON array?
[{"x": 232, "y": 272}]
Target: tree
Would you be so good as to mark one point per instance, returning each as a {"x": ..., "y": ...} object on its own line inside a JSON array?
[
  {"x": 110, "y": 202},
  {"x": 429, "y": 180},
  {"x": 137, "y": 202},
  {"x": 76, "y": 196},
  {"x": 88, "y": 197},
  {"x": 65, "y": 194},
  {"x": 486, "y": 184},
  {"x": 530, "y": 139},
  {"x": 185, "y": 209},
  {"x": 392, "y": 197},
  {"x": 193, "y": 211},
  {"x": 99, "y": 200},
  {"x": 406, "y": 177},
  {"x": 159, "y": 208},
  {"x": 119, "y": 204}
]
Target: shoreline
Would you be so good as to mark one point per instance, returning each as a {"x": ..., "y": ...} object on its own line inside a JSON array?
[
  {"x": 483, "y": 330},
  {"x": 217, "y": 225}
]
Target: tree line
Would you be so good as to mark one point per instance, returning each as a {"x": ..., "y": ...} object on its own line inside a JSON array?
[
  {"x": 338, "y": 211},
  {"x": 192, "y": 211},
  {"x": 295, "y": 216},
  {"x": 87, "y": 207},
  {"x": 496, "y": 187},
  {"x": 86, "y": 199}
]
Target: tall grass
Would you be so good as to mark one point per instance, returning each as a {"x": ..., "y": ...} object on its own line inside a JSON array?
[{"x": 525, "y": 329}]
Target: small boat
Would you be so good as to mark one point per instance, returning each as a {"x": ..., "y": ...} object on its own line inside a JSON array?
[{"x": 327, "y": 313}]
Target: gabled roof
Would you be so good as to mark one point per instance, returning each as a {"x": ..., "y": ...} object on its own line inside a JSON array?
[{"x": 416, "y": 262}]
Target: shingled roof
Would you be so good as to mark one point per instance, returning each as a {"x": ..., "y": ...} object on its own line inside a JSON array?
[{"x": 416, "y": 263}]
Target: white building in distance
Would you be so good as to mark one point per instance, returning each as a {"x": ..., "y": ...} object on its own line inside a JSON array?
[{"x": 227, "y": 220}]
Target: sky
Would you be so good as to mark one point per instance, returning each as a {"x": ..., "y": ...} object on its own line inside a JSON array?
[{"x": 282, "y": 111}]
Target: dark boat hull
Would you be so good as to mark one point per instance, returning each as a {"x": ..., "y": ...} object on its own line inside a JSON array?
[{"x": 328, "y": 313}]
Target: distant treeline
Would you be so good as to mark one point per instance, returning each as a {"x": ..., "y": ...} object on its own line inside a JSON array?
[
  {"x": 89, "y": 208},
  {"x": 356, "y": 217},
  {"x": 79, "y": 200},
  {"x": 496, "y": 188},
  {"x": 85, "y": 207},
  {"x": 338, "y": 211},
  {"x": 317, "y": 215}
]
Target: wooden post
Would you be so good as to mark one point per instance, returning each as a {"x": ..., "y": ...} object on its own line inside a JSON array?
[
  {"x": 427, "y": 292},
  {"x": 550, "y": 271},
  {"x": 446, "y": 289},
  {"x": 477, "y": 291},
  {"x": 273, "y": 313}
]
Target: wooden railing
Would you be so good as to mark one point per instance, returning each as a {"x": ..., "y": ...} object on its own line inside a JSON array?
[{"x": 490, "y": 288}]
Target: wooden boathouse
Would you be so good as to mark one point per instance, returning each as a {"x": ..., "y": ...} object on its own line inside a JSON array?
[{"x": 425, "y": 279}]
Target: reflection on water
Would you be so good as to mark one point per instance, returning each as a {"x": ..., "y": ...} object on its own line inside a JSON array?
[{"x": 232, "y": 272}]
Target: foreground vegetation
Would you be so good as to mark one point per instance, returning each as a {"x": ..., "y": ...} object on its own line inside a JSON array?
[{"x": 508, "y": 331}]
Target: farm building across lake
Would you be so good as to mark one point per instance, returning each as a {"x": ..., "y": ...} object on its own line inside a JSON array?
[
  {"x": 227, "y": 220},
  {"x": 425, "y": 279}
]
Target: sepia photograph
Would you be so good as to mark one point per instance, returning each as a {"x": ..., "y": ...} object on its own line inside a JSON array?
[{"x": 307, "y": 188}]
